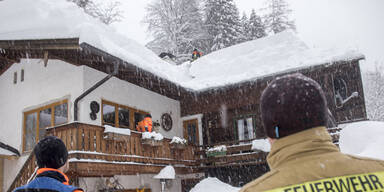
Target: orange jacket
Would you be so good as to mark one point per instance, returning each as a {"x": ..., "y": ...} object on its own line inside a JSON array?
[{"x": 145, "y": 125}]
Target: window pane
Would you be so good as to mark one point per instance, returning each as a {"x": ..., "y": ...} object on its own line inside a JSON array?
[
  {"x": 61, "y": 114},
  {"x": 108, "y": 114},
  {"x": 240, "y": 128},
  {"x": 123, "y": 117},
  {"x": 192, "y": 133},
  {"x": 138, "y": 117},
  {"x": 30, "y": 131},
  {"x": 251, "y": 134},
  {"x": 44, "y": 121}
]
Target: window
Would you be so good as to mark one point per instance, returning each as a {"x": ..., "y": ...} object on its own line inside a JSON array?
[
  {"x": 120, "y": 116},
  {"x": 35, "y": 122},
  {"x": 340, "y": 90},
  {"x": 14, "y": 77},
  {"x": 191, "y": 131},
  {"x": 245, "y": 128},
  {"x": 22, "y": 75}
]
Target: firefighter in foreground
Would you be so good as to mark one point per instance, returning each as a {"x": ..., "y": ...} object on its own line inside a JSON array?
[
  {"x": 145, "y": 125},
  {"x": 52, "y": 160},
  {"x": 303, "y": 157}
]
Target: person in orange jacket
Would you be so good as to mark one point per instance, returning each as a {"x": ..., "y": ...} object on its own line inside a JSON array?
[
  {"x": 196, "y": 54},
  {"x": 145, "y": 125},
  {"x": 52, "y": 160}
]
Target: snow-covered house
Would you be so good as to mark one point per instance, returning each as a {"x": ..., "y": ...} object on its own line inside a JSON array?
[{"x": 64, "y": 73}]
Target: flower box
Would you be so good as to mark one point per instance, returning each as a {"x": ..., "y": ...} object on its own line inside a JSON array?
[
  {"x": 151, "y": 142},
  {"x": 177, "y": 146},
  {"x": 216, "y": 153}
]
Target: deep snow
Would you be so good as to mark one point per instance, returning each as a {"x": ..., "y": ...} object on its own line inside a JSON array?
[
  {"x": 363, "y": 138},
  {"x": 46, "y": 19}
]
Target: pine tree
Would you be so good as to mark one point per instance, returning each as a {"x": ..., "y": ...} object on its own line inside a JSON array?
[
  {"x": 222, "y": 24},
  {"x": 244, "y": 28},
  {"x": 256, "y": 27},
  {"x": 106, "y": 13},
  {"x": 176, "y": 25},
  {"x": 277, "y": 19}
]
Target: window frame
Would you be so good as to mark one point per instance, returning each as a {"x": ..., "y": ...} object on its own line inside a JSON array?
[
  {"x": 186, "y": 133},
  {"x": 132, "y": 112},
  {"x": 37, "y": 111},
  {"x": 236, "y": 128},
  {"x": 334, "y": 77}
]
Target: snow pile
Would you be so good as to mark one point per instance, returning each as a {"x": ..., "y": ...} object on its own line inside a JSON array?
[
  {"x": 47, "y": 19},
  {"x": 213, "y": 184},
  {"x": 110, "y": 129},
  {"x": 178, "y": 140},
  {"x": 217, "y": 148},
  {"x": 167, "y": 172},
  {"x": 261, "y": 144},
  {"x": 258, "y": 58},
  {"x": 363, "y": 139},
  {"x": 152, "y": 135}
]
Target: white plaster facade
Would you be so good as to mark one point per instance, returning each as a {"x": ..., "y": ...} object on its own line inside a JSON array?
[{"x": 59, "y": 80}]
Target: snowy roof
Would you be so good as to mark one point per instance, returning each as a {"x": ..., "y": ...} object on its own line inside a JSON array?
[
  {"x": 258, "y": 58},
  {"x": 46, "y": 19}
]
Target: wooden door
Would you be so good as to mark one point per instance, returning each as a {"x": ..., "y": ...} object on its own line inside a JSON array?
[{"x": 191, "y": 131}]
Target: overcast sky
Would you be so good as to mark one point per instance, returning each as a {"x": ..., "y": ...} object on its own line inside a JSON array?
[{"x": 357, "y": 24}]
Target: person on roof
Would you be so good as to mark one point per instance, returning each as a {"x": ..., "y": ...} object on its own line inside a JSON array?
[
  {"x": 145, "y": 125},
  {"x": 303, "y": 157},
  {"x": 196, "y": 54},
  {"x": 52, "y": 160}
]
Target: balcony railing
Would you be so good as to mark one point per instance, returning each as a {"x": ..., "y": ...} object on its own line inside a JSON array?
[{"x": 93, "y": 153}]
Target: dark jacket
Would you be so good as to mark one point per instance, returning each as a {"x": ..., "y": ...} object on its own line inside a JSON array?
[
  {"x": 49, "y": 180},
  {"x": 308, "y": 161}
]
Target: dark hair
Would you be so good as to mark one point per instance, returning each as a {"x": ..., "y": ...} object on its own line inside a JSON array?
[
  {"x": 292, "y": 103},
  {"x": 148, "y": 115},
  {"x": 51, "y": 152}
]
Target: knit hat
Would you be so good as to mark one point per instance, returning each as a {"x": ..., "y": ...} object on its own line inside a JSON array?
[
  {"x": 291, "y": 104},
  {"x": 51, "y": 152}
]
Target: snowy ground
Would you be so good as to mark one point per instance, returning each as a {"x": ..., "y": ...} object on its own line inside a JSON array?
[{"x": 360, "y": 138}]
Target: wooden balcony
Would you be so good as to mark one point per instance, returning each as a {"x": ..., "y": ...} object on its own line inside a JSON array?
[{"x": 92, "y": 153}]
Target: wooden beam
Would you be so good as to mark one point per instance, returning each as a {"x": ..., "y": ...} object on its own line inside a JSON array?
[
  {"x": 40, "y": 44},
  {"x": 96, "y": 169}
]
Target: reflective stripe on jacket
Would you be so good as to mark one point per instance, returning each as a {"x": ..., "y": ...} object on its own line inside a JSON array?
[
  {"x": 49, "y": 180},
  {"x": 307, "y": 157}
]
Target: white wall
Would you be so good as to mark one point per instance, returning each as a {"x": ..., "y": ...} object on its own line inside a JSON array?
[
  {"x": 124, "y": 93},
  {"x": 41, "y": 86}
]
